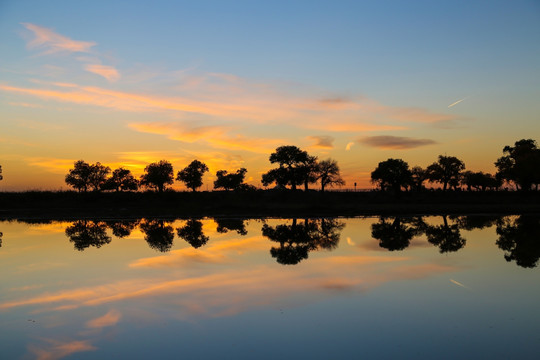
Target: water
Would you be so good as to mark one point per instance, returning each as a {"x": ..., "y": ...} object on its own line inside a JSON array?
[{"x": 431, "y": 287}]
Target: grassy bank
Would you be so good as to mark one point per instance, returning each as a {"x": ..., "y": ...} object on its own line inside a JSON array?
[{"x": 70, "y": 205}]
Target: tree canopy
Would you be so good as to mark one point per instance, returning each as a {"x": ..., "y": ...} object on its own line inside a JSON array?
[
  {"x": 121, "y": 180},
  {"x": 327, "y": 171},
  {"x": 293, "y": 163},
  {"x": 84, "y": 176},
  {"x": 192, "y": 174},
  {"x": 520, "y": 164},
  {"x": 158, "y": 175},
  {"x": 446, "y": 171},
  {"x": 392, "y": 174},
  {"x": 232, "y": 181}
]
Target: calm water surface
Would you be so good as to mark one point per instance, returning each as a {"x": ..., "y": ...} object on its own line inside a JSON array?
[{"x": 431, "y": 287}]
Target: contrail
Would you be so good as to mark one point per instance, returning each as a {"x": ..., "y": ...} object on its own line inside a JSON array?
[
  {"x": 458, "y": 283},
  {"x": 457, "y": 102}
]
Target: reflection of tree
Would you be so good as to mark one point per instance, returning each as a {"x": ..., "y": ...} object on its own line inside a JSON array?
[
  {"x": 446, "y": 237},
  {"x": 85, "y": 233},
  {"x": 393, "y": 235},
  {"x": 471, "y": 222},
  {"x": 520, "y": 239},
  {"x": 123, "y": 228},
  {"x": 226, "y": 225},
  {"x": 158, "y": 235},
  {"x": 1, "y": 238},
  {"x": 298, "y": 239},
  {"x": 193, "y": 234}
]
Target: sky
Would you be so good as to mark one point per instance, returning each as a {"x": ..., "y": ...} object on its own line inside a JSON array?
[{"x": 127, "y": 83}]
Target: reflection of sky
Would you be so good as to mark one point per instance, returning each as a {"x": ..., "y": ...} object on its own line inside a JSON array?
[{"x": 358, "y": 299}]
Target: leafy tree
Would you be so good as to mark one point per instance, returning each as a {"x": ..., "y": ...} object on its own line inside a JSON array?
[
  {"x": 98, "y": 175},
  {"x": 418, "y": 176},
  {"x": 225, "y": 225},
  {"x": 192, "y": 174},
  {"x": 1, "y": 177},
  {"x": 233, "y": 181},
  {"x": 520, "y": 164},
  {"x": 193, "y": 234},
  {"x": 392, "y": 174},
  {"x": 479, "y": 180},
  {"x": 328, "y": 173},
  {"x": 446, "y": 171},
  {"x": 158, "y": 235},
  {"x": 158, "y": 175},
  {"x": 84, "y": 233},
  {"x": 309, "y": 171},
  {"x": 121, "y": 180},
  {"x": 292, "y": 171},
  {"x": 79, "y": 176}
]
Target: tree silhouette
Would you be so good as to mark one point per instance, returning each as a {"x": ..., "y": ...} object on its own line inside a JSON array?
[
  {"x": 1, "y": 234},
  {"x": 471, "y": 222},
  {"x": 158, "y": 235},
  {"x": 79, "y": 176},
  {"x": 520, "y": 239},
  {"x": 1, "y": 177},
  {"x": 85, "y": 233},
  {"x": 193, "y": 234},
  {"x": 393, "y": 235},
  {"x": 225, "y": 225},
  {"x": 192, "y": 174},
  {"x": 233, "y": 181},
  {"x": 123, "y": 228},
  {"x": 392, "y": 174},
  {"x": 446, "y": 171},
  {"x": 418, "y": 176},
  {"x": 479, "y": 180},
  {"x": 291, "y": 171},
  {"x": 446, "y": 237},
  {"x": 98, "y": 175},
  {"x": 308, "y": 170},
  {"x": 121, "y": 180},
  {"x": 158, "y": 175},
  {"x": 328, "y": 173},
  {"x": 520, "y": 164},
  {"x": 328, "y": 233}
]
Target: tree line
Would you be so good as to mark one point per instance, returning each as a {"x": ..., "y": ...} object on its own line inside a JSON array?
[{"x": 519, "y": 166}]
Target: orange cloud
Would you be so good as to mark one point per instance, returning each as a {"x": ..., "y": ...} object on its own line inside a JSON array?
[
  {"x": 108, "y": 72},
  {"x": 57, "y": 350},
  {"x": 52, "y": 165},
  {"x": 109, "y": 319},
  {"x": 52, "y": 42}
]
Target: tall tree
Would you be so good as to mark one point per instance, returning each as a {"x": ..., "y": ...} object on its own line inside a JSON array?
[
  {"x": 121, "y": 180},
  {"x": 520, "y": 164},
  {"x": 192, "y": 174},
  {"x": 158, "y": 175},
  {"x": 446, "y": 171},
  {"x": 98, "y": 175},
  {"x": 232, "y": 181},
  {"x": 392, "y": 174},
  {"x": 328, "y": 173},
  {"x": 291, "y": 160},
  {"x": 309, "y": 171},
  {"x": 79, "y": 176},
  {"x": 418, "y": 176}
]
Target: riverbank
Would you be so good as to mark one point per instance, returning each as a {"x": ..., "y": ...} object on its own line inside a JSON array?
[{"x": 263, "y": 203}]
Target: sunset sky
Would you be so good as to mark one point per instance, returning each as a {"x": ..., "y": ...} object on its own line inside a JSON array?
[{"x": 127, "y": 83}]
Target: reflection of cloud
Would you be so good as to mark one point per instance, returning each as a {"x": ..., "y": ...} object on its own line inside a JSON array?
[
  {"x": 322, "y": 141},
  {"x": 395, "y": 142},
  {"x": 108, "y": 72},
  {"x": 52, "y": 42},
  {"x": 57, "y": 350},
  {"x": 350, "y": 242},
  {"x": 109, "y": 319},
  {"x": 349, "y": 146}
]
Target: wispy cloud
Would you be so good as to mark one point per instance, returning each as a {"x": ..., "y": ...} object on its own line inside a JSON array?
[
  {"x": 395, "y": 142},
  {"x": 54, "y": 349},
  {"x": 322, "y": 141},
  {"x": 108, "y": 72},
  {"x": 349, "y": 146},
  {"x": 53, "y": 165},
  {"x": 51, "y": 42},
  {"x": 109, "y": 319}
]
